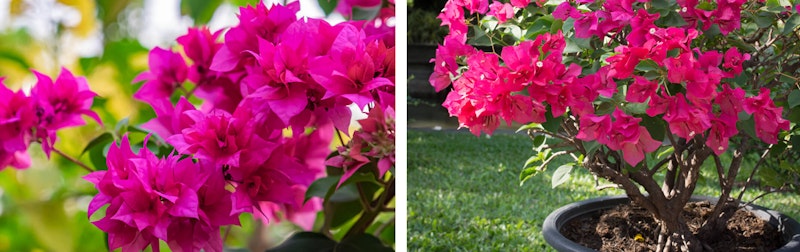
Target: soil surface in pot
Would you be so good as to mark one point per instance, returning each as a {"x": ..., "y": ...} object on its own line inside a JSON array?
[{"x": 631, "y": 228}]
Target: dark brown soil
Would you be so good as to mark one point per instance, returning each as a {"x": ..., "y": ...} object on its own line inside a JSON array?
[{"x": 617, "y": 230}]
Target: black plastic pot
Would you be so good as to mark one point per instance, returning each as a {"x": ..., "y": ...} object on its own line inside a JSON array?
[{"x": 789, "y": 227}]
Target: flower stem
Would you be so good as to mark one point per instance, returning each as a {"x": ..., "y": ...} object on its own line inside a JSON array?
[
  {"x": 370, "y": 213},
  {"x": 73, "y": 160}
]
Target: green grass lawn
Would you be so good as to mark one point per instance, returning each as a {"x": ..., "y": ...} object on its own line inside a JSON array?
[{"x": 464, "y": 194}]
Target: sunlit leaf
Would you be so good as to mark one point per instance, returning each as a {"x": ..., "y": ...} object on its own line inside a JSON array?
[{"x": 561, "y": 174}]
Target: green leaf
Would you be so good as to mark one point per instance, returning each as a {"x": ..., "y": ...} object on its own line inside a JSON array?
[
  {"x": 647, "y": 65},
  {"x": 635, "y": 108},
  {"x": 741, "y": 45},
  {"x": 769, "y": 176},
  {"x": 764, "y": 19},
  {"x": 363, "y": 242},
  {"x": 662, "y": 4},
  {"x": 794, "y": 115},
  {"x": 529, "y": 126},
  {"x": 672, "y": 19},
  {"x": 556, "y": 26},
  {"x": 16, "y": 58},
  {"x": 747, "y": 126},
  {"x": 775, "y": 6},
  {"x": 344, "y": 212},
  {"x": 606, "y": 107},
  {"x": 791, "y": 24},
  {"x": 99, "y": 142},
  {"x": 655, "y": 126},
  {"x": 512, "y": 29},
  {"x": 306, "y": 241},
  {"x": 794, "y": 98},
  {"x": 328, "y": 6},
  {"x": 538, "y": 140},
  {"x": 590, "y": 147},
  {"x": 574, "y": 45},
  {"x": 541, "y": 25},
  {"x": 122, "y": 126},
  {"x": 480, "y": 38},
  {"x": 665, "y": 152},
  {"x": 322, "y": 188},
  {"x": 365, "y": 13},
  {"x": 561, "y": 174},
  {"x": 552, "y": 123},
  {"x": 201, "y": 11},
  {"x": 251, "y": 2},
  {"x": 325, "y": 187},
  {"x": 528, "y": 173},
  {"x": 778, "y": 148}
]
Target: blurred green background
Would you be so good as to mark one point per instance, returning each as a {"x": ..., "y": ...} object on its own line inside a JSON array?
[{"x": 43, "y": 208}]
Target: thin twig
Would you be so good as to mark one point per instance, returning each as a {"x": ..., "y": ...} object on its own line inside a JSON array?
[
  {"x": 73, "y": 160},
  {"x": 752, "y": 173},
  {"x": 779, "y": 190}
]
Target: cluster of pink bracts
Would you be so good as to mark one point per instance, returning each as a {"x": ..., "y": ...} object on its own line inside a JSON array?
[
  {"x": 274, "y": 89},
  {"x": 527, "y": 80}
]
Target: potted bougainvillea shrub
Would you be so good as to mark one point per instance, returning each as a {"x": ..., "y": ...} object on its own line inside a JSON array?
[
  {"x": 640, "y": 93},
  {"x": 245, "y": 118}
]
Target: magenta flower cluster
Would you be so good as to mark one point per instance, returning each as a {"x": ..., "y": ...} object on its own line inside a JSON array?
[
  {"x": 528, "y": 79},
  {"x": 274, "y": 88},
  {"x": 51, "y": 106}
]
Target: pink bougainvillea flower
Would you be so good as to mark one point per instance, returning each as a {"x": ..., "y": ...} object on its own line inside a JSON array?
[
  {"x": 565, "y": 10},
  {"x": 733, "y": 62},
  {"x": 59, "y": 105},
  {"x": 520, "y": 3},
  {"x": 767, "y": 117},
  {"x": 220, "y": 138},
  {"x": 679, "y": 67},
  {"x": 641, "y": 89},
  {"x": 594, "y": 127},
  {"x": 686, "y": 120},
  {"x": 625, "y": 61},
  {"x": 167, "y": 72},
  {"x": 633, "y": 152},
  {"x": 348, "y": 71},
  {"x": 722, "y": 129},
  {"x": 151, "y": 198},
  {"x": 256, "y": 22},
  {"x": 445, "y": 63},
  {"x": 634, "y": 140},
  {"x": 502, "y": 11},
  {"x": 452, "y": 16},
  {"x": 217, "y": 89},
  {"x": 642, "y": 27},
  {"x": 730, "y": 100},
  {"x": 200, "y": 46},
  {"x": 17, "y": 119},
  {"x": 170, "y": 120},
  {"x": 728, "y": 15},
  {"x": 475, "y": 6},
  {"x": 377, "y": 136}
]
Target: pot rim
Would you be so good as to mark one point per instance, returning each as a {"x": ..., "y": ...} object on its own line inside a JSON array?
[{"x": 789, "y": 228}]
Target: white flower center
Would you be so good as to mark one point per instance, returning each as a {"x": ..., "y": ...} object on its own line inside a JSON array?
[
  {"x": 684, "y": 9},
  {"x": 652, "y": 30},
  {"x": 539, "y": 64}
]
